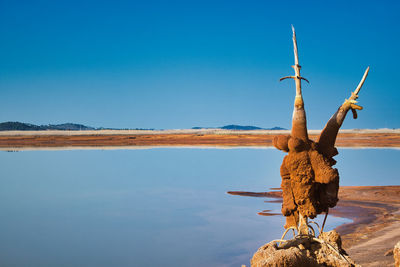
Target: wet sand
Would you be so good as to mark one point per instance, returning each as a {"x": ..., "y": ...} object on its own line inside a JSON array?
[
  {"x": 375, "y": 211},
  {"x": 375, "y": 215},
  {"x": 16, "y": 140}
]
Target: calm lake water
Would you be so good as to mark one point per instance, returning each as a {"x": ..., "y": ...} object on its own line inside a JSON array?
[{"x": 155, "y": 207}]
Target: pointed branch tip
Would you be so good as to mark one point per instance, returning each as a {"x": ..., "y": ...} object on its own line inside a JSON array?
[{"x": 362, "y": 81}]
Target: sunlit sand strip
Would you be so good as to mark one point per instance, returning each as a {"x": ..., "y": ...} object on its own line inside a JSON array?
[
  {"x": 16, "y": 149},
  {"x": 369, "y": 147},
  {"x": 186, "y": 131}
]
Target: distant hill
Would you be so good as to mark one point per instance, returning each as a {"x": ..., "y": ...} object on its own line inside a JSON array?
[
  {"x": 276, "y": 128},
  {"x": 20, "y": 126},
  {"x": 68, "y": 127},
  {"x": 240, "y": 127}
]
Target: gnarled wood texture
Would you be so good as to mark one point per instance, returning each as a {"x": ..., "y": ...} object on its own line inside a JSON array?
[{"x": 309, "y": 182}]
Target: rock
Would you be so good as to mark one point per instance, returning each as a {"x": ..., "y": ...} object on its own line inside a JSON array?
[
  {"x": 396, "y": 254},
  {"x": 332, "y": 237},
  {"x": 304, "y": 252},
  {"x": 269, "y": 256}
]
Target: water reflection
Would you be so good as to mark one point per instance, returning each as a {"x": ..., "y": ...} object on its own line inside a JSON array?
[{"x": 156, "y": 207}]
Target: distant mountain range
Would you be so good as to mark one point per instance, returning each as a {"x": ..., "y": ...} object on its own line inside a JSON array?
[
  {"x": 239, "y": 127},
  {"x": 20, "y": 126}
]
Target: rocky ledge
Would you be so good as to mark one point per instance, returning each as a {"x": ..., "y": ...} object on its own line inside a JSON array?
[{"x": 326, "y": 250}]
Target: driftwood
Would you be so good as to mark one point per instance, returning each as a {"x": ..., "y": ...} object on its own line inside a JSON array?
[
  {"x": 309, "y": 183},
  {"x": 328, "y": 135}
]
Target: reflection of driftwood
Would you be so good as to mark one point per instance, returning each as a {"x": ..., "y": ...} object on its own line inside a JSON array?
[{"x": 309, "y": 183}]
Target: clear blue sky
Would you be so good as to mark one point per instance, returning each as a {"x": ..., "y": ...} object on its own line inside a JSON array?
[{"x": 179, "y": 64}]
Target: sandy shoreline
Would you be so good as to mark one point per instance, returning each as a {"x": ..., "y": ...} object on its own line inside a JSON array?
[
  {"x": 20, "y": 140},
  {"x": 375, "y": 215},
  {"x": 375, "y": 211}
]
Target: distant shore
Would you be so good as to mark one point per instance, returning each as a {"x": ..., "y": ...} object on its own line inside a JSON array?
[
  {"x": 190, "y": 131},
  {"x": 19, "y": 140}
]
